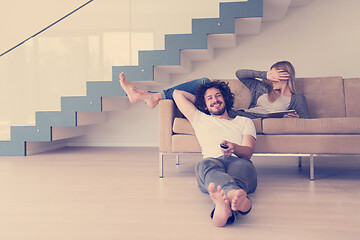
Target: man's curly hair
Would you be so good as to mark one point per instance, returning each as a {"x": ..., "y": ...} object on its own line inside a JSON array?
[{"x": 225, "y": 92}]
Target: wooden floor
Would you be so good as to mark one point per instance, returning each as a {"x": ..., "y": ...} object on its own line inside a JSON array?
[{"x": 115, "y": 193}]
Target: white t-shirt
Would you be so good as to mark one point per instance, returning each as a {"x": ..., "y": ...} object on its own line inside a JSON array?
[
  {"x": 265, "y": 106},
  {"x": 211, "y": 131}
]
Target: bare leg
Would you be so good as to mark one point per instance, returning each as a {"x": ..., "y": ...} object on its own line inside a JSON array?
[
  {"x": 136, "y": 95},
  {"x": 222, "y": 205},
  {"x": 239, "y": 200}
]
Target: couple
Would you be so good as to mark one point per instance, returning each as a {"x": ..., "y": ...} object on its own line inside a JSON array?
[{"x": 227, "y": 142}]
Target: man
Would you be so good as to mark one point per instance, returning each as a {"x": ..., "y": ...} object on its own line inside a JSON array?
[{"x": 226, "y": 172}]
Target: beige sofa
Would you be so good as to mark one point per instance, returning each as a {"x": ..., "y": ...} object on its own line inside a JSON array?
[{"x": 333, "y": 127}]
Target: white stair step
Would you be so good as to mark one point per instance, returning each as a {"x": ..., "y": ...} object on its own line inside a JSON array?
[
  {"x": 59, "y": 133},
  {"x": 90, "y": 118},
  {"x": 115, "y": 104},
  {"x": 275, "y": 10},
  {"x": 247, "y": 26},
  {"x": 39, "y": 147},
  {"x": 160, "y": 77},
  {"x": 222, "y": 40}
]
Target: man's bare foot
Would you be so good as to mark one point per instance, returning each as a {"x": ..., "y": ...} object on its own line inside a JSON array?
[
  {"x": 222, "y": 205},
  {"x": 131, "y": 91},
  {"x": 239, "y": 200},
  {"x": 151, "y": 99},
  {"x": 136, "y": 95}
]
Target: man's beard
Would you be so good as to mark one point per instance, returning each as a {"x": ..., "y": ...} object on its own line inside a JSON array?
[{"x": 219, "y": 111}]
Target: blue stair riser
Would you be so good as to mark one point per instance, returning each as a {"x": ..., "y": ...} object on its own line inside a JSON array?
[
  {"x": 134, "y": 73},
  {"x": 159, "y": 57},
  {"x": 81, "y": 104},
  {"x": 104, "y": 89},
  {"x": 185, "y": 41},
  {"x": 212, "y": 26},
  {"x": 31, "y": 133},
  {"x": 13, "y": 148},
  {"x": 249, "y": 9},
  {"x": 56, "y": 119}
]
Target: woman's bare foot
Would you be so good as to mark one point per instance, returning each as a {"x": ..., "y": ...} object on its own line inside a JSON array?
[
  {"x": 239, "y": 200},
  {"x": 136, "y": 95},
  {"x": 222, "y": 205}
]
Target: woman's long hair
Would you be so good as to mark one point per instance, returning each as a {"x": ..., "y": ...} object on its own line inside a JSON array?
[{"x": 289, "y": 68}]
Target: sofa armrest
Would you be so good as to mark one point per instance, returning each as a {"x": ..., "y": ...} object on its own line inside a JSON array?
[{"x": 166, "y": 120}]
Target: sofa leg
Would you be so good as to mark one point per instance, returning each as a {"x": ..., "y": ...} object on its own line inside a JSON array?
[
  {"x": 299, "y": 162},
  {"x": 177, "y": 159},
  {"x": 312, "y": 170},
  {"x": 161, "y": 165}
]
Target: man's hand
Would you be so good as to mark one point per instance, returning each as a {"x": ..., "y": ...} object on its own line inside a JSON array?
[
  {"x": 230, "y": 148},
  {"x": 242, "y": 151}
]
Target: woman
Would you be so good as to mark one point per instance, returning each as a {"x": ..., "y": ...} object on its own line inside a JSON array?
[{"x": 275, "y": 92}]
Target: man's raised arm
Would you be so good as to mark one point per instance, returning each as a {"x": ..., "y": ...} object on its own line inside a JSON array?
[{"x": 185, "y": 103}]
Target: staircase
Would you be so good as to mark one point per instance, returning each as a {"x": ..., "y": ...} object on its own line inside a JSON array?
[{"x": 53, "y": 128}]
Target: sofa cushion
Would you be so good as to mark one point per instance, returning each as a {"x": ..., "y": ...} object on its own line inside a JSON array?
[
  {"x": 311, "y": 126},
  {"x": 324, "y": 96},
  {"x": 352, "y": 97},
  {"x": 322, "y": 144},
  {"x": 185, "y": 143},
  {"x": 183, "y": 126},
  {"x": 258, "y": 125}
]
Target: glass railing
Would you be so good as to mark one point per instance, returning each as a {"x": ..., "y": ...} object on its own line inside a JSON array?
[{"x": 82, "y": 47}]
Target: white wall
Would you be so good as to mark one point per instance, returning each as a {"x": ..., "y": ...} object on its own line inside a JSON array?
[{"x": 321, "y": 39}]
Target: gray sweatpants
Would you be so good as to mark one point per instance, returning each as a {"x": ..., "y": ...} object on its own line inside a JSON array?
[{"x": 229, "y": 172}]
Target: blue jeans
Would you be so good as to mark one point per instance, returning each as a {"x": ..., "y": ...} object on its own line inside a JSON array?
[
  {"x": 229, "y": 172},
  {"x": 187, "y": 87}
]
